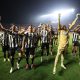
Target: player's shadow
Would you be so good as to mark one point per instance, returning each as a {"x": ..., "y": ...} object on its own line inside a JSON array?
[
  {"x": 18, "y": 69},
  {"x": 23, "y": 67},
  {"x": 1, "y": 56},
  {"x": 44, "y": 63},
  {"x": 72, "y": 61},
  {"x": 61, "y": 72}
]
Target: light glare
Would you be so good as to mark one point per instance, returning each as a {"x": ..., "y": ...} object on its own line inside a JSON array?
[{"x": 63, "y": 12}]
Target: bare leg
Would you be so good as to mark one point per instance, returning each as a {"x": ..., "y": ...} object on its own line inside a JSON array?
[
  {"x": 56, "y": 61},
  {"x": 62, "y": 60},
  {"x": 19, "y": 59}
]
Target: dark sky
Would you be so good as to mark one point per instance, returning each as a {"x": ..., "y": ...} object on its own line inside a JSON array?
[{"x": 26, "y": 11}]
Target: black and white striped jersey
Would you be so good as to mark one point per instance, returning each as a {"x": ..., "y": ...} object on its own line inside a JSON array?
[
  {"x": 79, "y": 39},
  {"x": 29, "y": 40},
  {"x": 75, "y": 36},
  {"x": 4, "y": 38},
  {"x": 13, "y": 40},
  {"x": 44, "y": 36},
  {"x": 1, "y": 36},
  {"x": 20, "y": 39}
]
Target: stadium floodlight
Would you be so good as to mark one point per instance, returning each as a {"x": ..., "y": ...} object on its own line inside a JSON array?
[{"x": 63, "y": 12}]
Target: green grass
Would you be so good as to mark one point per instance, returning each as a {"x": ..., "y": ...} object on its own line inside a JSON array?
[{"x": 43, "y": 71}]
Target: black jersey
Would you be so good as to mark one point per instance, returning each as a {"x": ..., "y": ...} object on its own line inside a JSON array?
[
  {"x": 51, "y": 36},
  {"x": 35, "y": 37}
]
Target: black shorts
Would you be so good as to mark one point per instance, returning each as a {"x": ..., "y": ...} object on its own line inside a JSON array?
[
  {"x": 56, "y": 38},
  {"x": 5, "y": 48},
  {"x": 45, "y": 45},
  {"x": 19, "y": 49},
  {"x": 30, "y": 51},
  {"x": 12, "y": 51},
  {"x": 75, "y": 43}
]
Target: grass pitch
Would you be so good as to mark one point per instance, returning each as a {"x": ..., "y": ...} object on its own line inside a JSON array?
[{"x": 42, "y": 71}]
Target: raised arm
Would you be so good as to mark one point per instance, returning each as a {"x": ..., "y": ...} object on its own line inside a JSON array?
[
  {"x": 73, "y": 23},
  {"x": 2, "y": 28},
  {"x": 59, "y": 25}
]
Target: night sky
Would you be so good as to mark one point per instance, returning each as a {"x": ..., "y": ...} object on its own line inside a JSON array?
[{"x": 27, "y": 11}]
